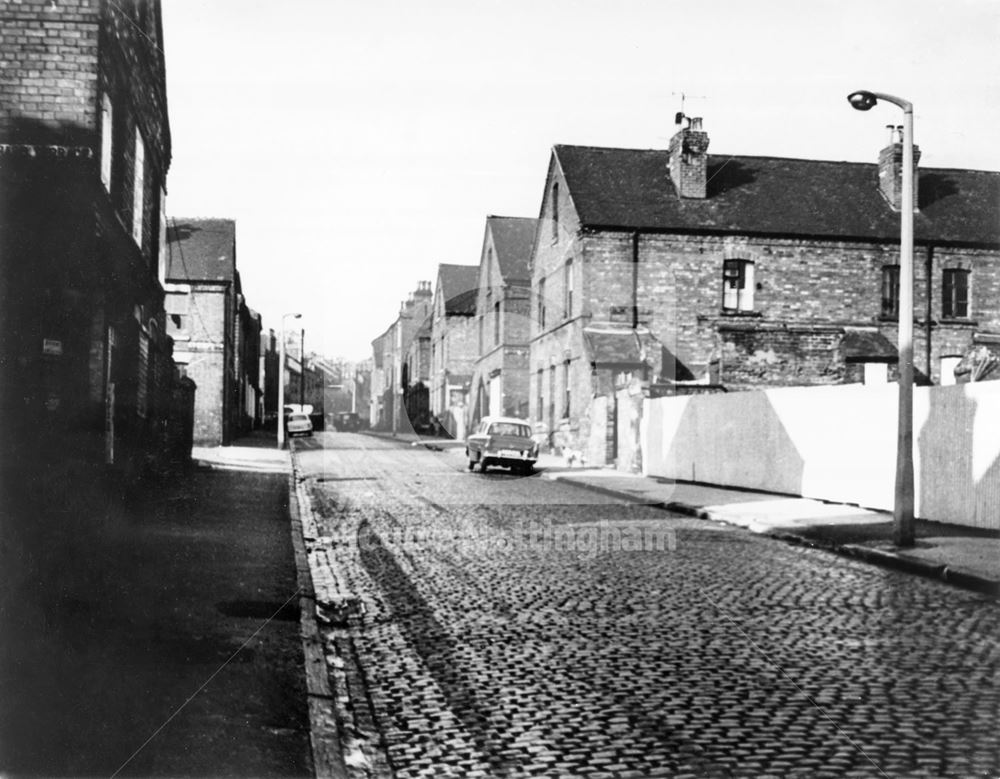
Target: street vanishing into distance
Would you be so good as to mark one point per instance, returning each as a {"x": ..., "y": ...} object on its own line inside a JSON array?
[{"x": 502, "y": 625}]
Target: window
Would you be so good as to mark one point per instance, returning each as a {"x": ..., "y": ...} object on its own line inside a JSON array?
[
  {"x": 496, "y": 323},
  {"x": 540, "y": 413},
  {"x": 555, "y": 211},
  {"x": 138, "y": 187},
  {"x": 541, "y": 304},
  {"x": 568, "y": 286},
  {"x": 552, "y": 396},
  {"x": 737, "y": 285},
  {"x": 566, "y": 385},
  {"x": 955, "y": 293},
  {"x": 107, "y": 134},
  {"x": 162, "y": 248},
  {"x": 890, "y": 291}
]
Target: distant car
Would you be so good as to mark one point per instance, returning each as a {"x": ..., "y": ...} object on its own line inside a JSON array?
[
  {"x": 504, "y": 442},
  {"x": 347, "y": 421},
  {"x": 299, "y": 424}
]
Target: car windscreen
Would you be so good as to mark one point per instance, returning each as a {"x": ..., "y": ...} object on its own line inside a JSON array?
[{"x": 510, "y": 428}]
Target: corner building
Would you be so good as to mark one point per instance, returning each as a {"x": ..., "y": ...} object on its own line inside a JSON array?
[{"x": 680, "y": 271}]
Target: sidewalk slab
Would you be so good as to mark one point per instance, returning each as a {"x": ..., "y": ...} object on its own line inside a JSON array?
[{"x": 158, "y": 636}]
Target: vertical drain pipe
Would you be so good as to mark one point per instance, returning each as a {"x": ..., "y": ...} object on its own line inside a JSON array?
[{"x": 929, "y": 271}]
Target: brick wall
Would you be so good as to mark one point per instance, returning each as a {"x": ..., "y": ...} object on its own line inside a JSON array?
[
  {"x": 560, "y": 336},
  {"x": 48, "y": 93},
  {"x": 797, "y": 283}
]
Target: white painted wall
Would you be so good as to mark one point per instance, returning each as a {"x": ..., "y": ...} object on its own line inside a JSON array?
[{"x": 836, "y": 443}]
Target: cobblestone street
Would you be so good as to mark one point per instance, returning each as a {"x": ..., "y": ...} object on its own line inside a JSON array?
[{"x": 514, "y": 626}]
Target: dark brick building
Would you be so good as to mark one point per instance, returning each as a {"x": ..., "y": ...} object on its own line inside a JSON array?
[
  {"x": 503, "y": 308},
  {"x": 687, "y": 269},
  {"x": 84, "y": 155}
]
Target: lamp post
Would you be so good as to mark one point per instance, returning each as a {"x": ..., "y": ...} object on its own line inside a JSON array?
[
  {"x": 903, "y": 505},
  {"x": 281, "y": 380}
]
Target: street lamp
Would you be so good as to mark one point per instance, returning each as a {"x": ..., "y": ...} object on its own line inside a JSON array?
[
  {"x": 281, "y": 380},
  {"x": 902, "y": 531}
]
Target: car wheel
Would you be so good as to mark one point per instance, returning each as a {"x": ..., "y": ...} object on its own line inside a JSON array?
[{"x": 482, "y": 465}]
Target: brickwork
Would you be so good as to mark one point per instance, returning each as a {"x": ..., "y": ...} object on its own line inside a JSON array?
[
  {"x": 559, "y": 337},
  {"x": 689, "y": 161},
  {"x": 805, "y": 293},
  {"x": 509, "y": 357},
  {"x": 72, "y": 272},
  {"x": 49, "y": 90}
]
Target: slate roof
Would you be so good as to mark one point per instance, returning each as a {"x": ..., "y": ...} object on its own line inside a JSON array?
[
  {"x": 459, "y": 286},
  {"x": 513, "y": 237},
  {"x": 632, "y": 189},
  {"x": 201, "y": 250}
]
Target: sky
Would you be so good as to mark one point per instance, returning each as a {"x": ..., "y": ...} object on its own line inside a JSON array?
[{"x": 360, "y": 144}]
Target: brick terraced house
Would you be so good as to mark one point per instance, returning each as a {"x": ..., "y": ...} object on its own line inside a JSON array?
[
  {"x": 503, "y": 308},
  {"x": 216, "y": 336},
  {"x": 84, "y": 154},
  {"x": 393, "y": 357},
  {"x": 679, "y": 268},
  {"x": 453, "y": 341}
]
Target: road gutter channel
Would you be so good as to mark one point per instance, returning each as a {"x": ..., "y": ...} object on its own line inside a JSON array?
[
  {"x": 340, "y": 747},
  {"x": 881, "y": 557}
]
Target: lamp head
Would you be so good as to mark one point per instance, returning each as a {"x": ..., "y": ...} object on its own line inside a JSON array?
[{"x": 862, "y": 100}]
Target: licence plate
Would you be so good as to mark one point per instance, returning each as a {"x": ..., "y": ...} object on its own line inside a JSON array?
[{"x": 509, "y": 453}]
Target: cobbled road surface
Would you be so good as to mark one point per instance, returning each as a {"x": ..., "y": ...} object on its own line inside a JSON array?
[{"x": 515, "y": 626}]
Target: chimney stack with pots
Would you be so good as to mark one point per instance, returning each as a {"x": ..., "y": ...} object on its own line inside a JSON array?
[
  {"x": 890, "y": 169},
  {"x": 689, "y": 159}
]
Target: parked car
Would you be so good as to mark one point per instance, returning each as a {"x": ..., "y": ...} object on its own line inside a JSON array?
[
  {"x": 347, "y": 421},
  {"x": 299, "y": 424},
  {"x": 502, "y": 441}
]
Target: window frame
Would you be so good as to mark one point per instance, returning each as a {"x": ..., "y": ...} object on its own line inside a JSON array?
[
  {"x": 541, "y": 304},
  {"x": 889, "y": 306},
  {"x": 568, "y": 289},
  {"x": 555, "y": 211},
  {"x": 107, "y": 139},
  {"x": 738, "y": 274},
  {"x": 952, "y": 305},
  {"x": 138, "y": 187},
  {"x": 567, "y": 390}
]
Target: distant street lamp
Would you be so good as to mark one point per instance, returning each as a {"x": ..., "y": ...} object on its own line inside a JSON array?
[
  {"x": 281, "y": 380},
  {"x": 903, "y": 526}
]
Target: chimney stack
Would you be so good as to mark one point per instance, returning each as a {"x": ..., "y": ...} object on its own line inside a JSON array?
[
  {"x": 689, "y": 160},
  {"x": 890, "y": 169}
]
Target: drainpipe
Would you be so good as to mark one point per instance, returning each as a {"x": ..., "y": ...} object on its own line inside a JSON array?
[
  {"x": 635, "y": 280},
  {"x": 928, "y": 271}
]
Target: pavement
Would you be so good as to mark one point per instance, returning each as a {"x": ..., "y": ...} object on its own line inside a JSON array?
[
  {"x": 157, "y": 634},
  {"x": 963, "y": 556}
]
